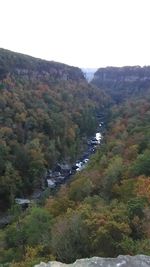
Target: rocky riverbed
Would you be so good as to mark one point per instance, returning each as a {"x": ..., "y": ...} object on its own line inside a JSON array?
[{"x": 61, "y": 174}]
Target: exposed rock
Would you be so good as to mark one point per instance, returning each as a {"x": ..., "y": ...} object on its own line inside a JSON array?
[
  {"x": 121, "y": 82},
  {"x": 105, "y": 76},
  {"x": 5, "y": 220},
  {"x": 120, "y": 261},
  {"x": 30, "y": 68}
]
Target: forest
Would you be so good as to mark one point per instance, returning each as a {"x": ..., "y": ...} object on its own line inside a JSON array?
[
  {"x": 105, "y": 209},
  {"x": 47, "y": 111}
]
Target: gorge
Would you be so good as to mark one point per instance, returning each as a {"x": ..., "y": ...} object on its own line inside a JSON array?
[{"x": 48, "y": 114}]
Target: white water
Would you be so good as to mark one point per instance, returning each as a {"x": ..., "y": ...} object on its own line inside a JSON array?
[{"x": 98, "y": 137}]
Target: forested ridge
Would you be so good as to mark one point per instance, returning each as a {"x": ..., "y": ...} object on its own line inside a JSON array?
[
  {"x": 121, "y": 83},
  {"x": 104, "y": 210},
  {"x": 47, "y": 110}
]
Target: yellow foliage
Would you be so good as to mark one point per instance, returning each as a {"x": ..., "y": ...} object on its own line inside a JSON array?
[{"x": 142, "y": 188}]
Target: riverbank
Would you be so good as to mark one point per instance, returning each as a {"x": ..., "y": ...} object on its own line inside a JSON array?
[{"x": 62, "y": 173}]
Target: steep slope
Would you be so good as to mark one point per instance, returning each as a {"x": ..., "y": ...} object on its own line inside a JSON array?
[
  {"x": 123, "y": 82},
  {"x": 46, "y": 108},
  {"x": 33, "y": 68},
  {"x": 105, "y": 209}
]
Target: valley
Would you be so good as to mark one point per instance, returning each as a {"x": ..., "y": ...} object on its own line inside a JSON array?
[{"x": 82, "y": 149}]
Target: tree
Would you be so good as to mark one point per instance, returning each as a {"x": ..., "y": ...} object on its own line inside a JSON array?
[
  {"x": 113, "y": 175},
  {"x": 70, "y": 239},
  {"x": 34, "y": 230},
  {"x": 142, "y": 187},
  {"x": 80, "y": 188},
  {"x": 142, "y": 164},
  {"x": 37, "y": 227},
  {"x": 37, "y": 164},
  {"x": 136, "y": 208},
  {"x": 10, "y": 184}
]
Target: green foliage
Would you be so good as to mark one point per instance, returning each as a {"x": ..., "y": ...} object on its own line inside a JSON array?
[
  {"x": 104, "y": 210},
  {"x": 109, "y": 237},
  {"x": 10, "y": 182},
  {"x": 46, "y": 108},
  {"x": 113, "y": 175},
  {"x": 70, "y": 238},
  {"x": 32, "y": 230},
  {"x": 136, "y": 208},
  {"x": 142, "y": 164},
  {"x": 125, "y": 190},
  {"x": 80, "y": 188},
  {"x": 37, "y": 227}
]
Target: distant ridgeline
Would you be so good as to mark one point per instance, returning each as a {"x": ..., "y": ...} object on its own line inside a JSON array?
[
  {"x": 29, "y": 67},
  {"x": 46, "y": 109},
  {"x": 123, "y": 82}
]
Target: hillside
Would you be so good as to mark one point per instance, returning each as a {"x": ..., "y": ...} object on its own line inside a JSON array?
[
  {"x": 33, "y": 68},
  {"x": 104, "y": 210},
  {"x": 123, "y": 82},
  {"x": 47, "y": 110}
]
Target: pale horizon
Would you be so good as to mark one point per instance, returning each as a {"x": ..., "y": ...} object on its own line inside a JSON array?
[
  {"x": 80, "y": 33},
  {"x": 84, "y": 67}
]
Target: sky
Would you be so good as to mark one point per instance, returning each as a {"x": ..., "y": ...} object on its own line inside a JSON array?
[{"x": 83, "y": 33}]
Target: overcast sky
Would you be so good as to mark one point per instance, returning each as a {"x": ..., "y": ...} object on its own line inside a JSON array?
[{"x": 84, "y": 33}]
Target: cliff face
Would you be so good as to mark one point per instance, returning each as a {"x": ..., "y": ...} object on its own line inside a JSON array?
[
  {"x": 125, "y": 261},
  {"x": 122, "y": 82},
  {"x": 31, "y": 68}
]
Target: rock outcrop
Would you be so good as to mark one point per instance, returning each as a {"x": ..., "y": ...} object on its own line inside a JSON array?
[
  {"x": 31, "y": 68},
  {"x": 120, "y": 261},
  {"x": 122, "y": 82},
  {"x": 122, "y": 74}
]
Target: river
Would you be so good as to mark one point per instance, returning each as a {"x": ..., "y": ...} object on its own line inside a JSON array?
[{"x": 62, "y": 175}]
